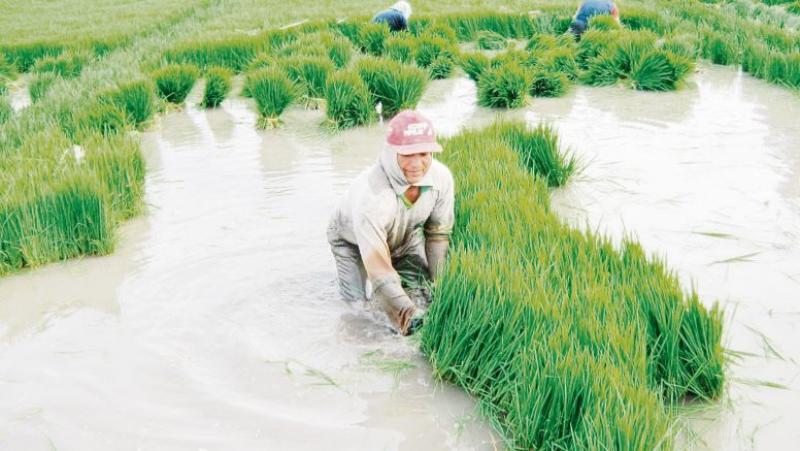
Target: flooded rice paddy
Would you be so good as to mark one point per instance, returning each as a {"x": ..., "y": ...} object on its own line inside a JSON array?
[{"x": 217, "y": 325}]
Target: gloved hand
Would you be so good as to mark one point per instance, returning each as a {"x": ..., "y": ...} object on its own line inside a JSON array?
[
  {"x": 436, "y": 251},
  {"x": 394, "y": 300}
]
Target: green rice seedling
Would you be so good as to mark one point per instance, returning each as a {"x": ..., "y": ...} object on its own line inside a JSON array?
[
  {"x": 310, "y": 73},
  {"x": 559, "y": 60},
  {"x": 6, "y": 111},
  {"x": 541, "y": 152},
  {"x": 441, "y": 67},
  {"x": 174, "y": 82},
  {"x": 592, "y": 44},
  {"x": 794, "y": 8},
  {"x": 350, "y": 30},
  {"x": 601, "y": 70},
  {"x": 755, "y": 57},
  {"x": 540, "y": 42},
  {"x": 261, "y": 61},
  {"x": 348, "y": 101},
  {"x": 218, "y": 85},
  {"x": 630, "y": 46},
  {"x": 489, "y": 40},
  {"x": 639, "y": 18},
  {"x": 431, "y": 47},
  {"x": 719, "y": 48},
  {"x": 66, "y": 65},
  {"x": 3, "y": 87},
  {"x": 136, "y": 99},
  {"x": 685, "y": 44},
  {"x": 7, "y": 69},
  {"x": 24, "y": 56},
  {"x": 118, "y": 166},
  {"x": 783, "y": 69},
  {"x": 400, "y": 48},
  {"x": 273, "y": 92},
  {"x": 474, "y": 63},
  {"x": 40, "y": 84},
  {"x": 396, "y": 86},
  {"x": 548, "y": 84},
  {"x": 234, "y": 53},
  {"x": 102, "y": 119},
  {"x": 603, "y": 22},
  {"x": 551, "y": 24},
  {"x": 439, "y": 29},
  {"x": 339, "y": 50},
  {"x": 503, "y": 87},
  {"x": 653, "y": 71},
  {"x": 372, "y": 37},
  {"x": 524, "y": 58}
]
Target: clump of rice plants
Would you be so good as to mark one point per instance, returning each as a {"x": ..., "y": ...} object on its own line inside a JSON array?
[
  {"x": 6, "y": 111},
  {"x": 793, "y": 7},
  {"x": 441, "y": 30},
  {"x": 118, "y": 165},
  {"x": 441, "y": 67},
  {"x": 550, "y": 374},
  {"x": 136, "y": 99},
  {"x": 261, "y": 61},
  {"x": 719, "y": 48},
  {"x": 541, "y": 152},
  {"x": 234, "y": 53},
  {"x": 604, "y": 22},
  {"x": 638, "y": 18},
  {"x": 539, "y": 42},
  {"x": 630, "y": 46},
  {"x": 489, "y": 40},
  {"x": 7, "y": 69},
  {"x": 548, "y": 84},
  {"x": 3, "y": 87},
  {"x": 400, "y": 48},
  {"x": 429, "y": 48},
  {"x": 175, "y": 81},
  {"x": 24, "y": 56},
  {"x": 372, "y": 36},
  {"x": 218, "y": 85},
  {"x": 310, "y": 73},
  {"x": 348, "y": 101},
  {"x": 592, "y": 44},
  {"x": 40, "y": 84},
  {"x": 684, "y": 44},
  {"x": 474, "y": 63},
  {"x": 503, "y": 87},
  {"x": 601, "y": 70},
  {"x": 101, "y": 118},
  {"x": 560, "y": 59},
  {"x": 339, "y": 50},
  {"x": 657, "y": 70},
  {"x": 66, "y": 65},
  {"x": 273, "y": 92},
  {"x": 396, "y": 86},
  {"x": 526, "y": 59}
]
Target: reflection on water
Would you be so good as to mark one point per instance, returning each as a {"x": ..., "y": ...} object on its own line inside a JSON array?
[{"x": 217, "y": 324}]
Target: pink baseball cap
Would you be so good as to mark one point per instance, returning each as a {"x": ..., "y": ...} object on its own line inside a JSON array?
[{"x": 410, "y": 132}]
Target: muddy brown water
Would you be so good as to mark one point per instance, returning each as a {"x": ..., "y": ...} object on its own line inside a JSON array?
[{"x": 216, "y": 324}]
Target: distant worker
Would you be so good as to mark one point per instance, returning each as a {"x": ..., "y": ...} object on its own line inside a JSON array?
[
  {"x": 396, "y": 16},
  {"x": 393, "y": 226},
  {"x": 589, "y": 9}
]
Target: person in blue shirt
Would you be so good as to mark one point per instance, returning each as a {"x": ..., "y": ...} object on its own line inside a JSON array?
[
  {"x": 589, "y": 9},
  {"x": 396, "y": 17}
]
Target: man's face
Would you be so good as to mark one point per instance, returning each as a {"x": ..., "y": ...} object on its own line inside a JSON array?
[{"x": 415, "y": 165}]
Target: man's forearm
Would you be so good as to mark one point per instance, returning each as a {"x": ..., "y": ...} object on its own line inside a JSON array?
[{"x": 436, "y": 252}]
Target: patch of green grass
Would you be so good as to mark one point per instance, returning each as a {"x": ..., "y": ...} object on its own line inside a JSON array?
[
  {"x": 719, "y": 48},
  {"x": 489, "y": 40},
  {"x": 644, "y": 18},
  {"x": 474, "y": 63},
  {"x": 175, "y": 81},
  {"x": 340, "y": 51},
  {"x": 400, "y": 48},
  {"x": 348, "y": 101},
  {"x": 310, "y": 73},
  {"x": 526, "y": 59},
  {"x": 601, "y": 70},
  {"x": 541, "y": 152},
  {"x": 40, "y": 84},
  {"x": 429, "y": 48},
  {"x": 7, "y": 68},
  {"x": 503, "y": 87},
  {"x": 24, "y": 56},
  {"x": 273, "y": 92},
  {"x": 654, "y": 71},
  {"x": 561, "y": 60},
  {"x": 218, "y": 85},
  {"x": 233, "y": 53},
  {"x": 441, "y": 67},
  {"x": 396, "y": 86},
  {"x": 592, "y": 44},
  {"x": 66, "y": 65},
  {"x": 540, "y": 42},
  {"x": 548, "y": 84},
  {"x": 102, "y": 119},
  {"x": 372, "y": 36},
  {"x": 136, "y": 99}
]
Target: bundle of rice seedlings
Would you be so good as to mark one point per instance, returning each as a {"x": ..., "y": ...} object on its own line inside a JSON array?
[
  {"x": 218, "y": 85},
  {"x": 489, "y": 40},
  {"x": 40, "y": 84},
  {"x": 174, "y": 81},
  {"x": 474, "y": 63},
  {"x": 638, "y": 18},
  {"x": 431, "y": 47},
  {"x": 6, "y": 111},
  {"x": 441, "y": 30},
  {"x": 24, "y": 56},
  {"x": 118, "y": 165},
  {"x": 541, "y": 42},
  {"x": 551, "y": 23},
  {"x": 372, "y": 36},
  {"x": 261, "y": 61},
  {"x": 560, "y": 59},
  {"x": 503, "y": 87},
  {"x": 348, "y": 100},
  {"x": 396, "y": 86},
  {"x": 400, "y": 48},
  {"x": 601, "y": 70},
  {"x": 541, "y": 152},
  {"x": 603, "y": 22},
  {"x": 301, "y": 47},
  {"x": 630, "y": 46},
  {"x": 441, "y": 67},
  {"x": 339, "y": 50},
  {"x": 310, "y": 73},
  {"x": 66, "y": 65},
  {"x": 7, "y": 69},
  {"x": 719, "y": 48},
  {"x": 592, "y": 44},
  {"x": 136, "y": 99},
  {"x": 273, "y": 92},
  {"x": 684, "y": 44},
  {"x": 524, "y": 58},
  {"x": 548, "y": 84},
  {"x": 350, "y": 30},
  {"x": 653, "y": 72},
  {"x": 783, "y": 69},
  {"x": 100, "y": 118},
  {"x": 755, "y": 57},
  {"x": 233, "y": 53},
  {"x": 794, "y": 7}
]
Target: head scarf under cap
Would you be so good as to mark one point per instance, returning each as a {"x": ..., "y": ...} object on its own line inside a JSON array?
[
  {"x": 390, "y": 166},
  {"x": 404, "y": 8}
]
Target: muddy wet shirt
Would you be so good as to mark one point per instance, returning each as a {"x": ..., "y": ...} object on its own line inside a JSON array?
[{"x": 384, "y": 225}]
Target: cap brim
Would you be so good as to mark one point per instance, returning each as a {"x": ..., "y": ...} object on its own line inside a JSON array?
[{"x": 417, "y": 148}]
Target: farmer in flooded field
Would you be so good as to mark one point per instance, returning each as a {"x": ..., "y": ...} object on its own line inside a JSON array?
[
  {"x": 396, "y": 16},
  {"x": 589, "y": 9},
  {"x": 393, "y": 226}
]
